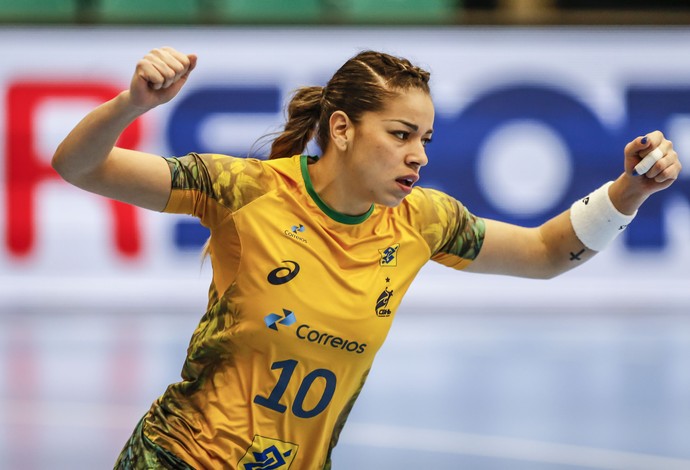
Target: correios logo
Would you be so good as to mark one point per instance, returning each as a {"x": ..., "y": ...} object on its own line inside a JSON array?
[
  {"x": 306, "y": 333},
  {"x": 273, "y": 319},
  {"x": 293, "y": 233}
]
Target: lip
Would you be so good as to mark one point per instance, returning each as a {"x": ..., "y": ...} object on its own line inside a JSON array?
[
  {"x": 413, "y": 178},
  {"x": 403, "y": 188}
]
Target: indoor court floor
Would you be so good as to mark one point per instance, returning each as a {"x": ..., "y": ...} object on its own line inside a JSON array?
[{"x": 491, "y": 386}]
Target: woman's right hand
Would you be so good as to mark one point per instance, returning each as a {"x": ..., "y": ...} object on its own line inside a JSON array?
[
  {"x": 88, "y": 157},
  {"x": 159, "y": 76}
]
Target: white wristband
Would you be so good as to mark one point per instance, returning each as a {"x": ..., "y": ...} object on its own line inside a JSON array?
[{"x": 596, "y": 220}]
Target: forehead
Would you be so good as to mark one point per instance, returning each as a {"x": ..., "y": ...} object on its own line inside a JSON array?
[{"x": 413, "y": 105}]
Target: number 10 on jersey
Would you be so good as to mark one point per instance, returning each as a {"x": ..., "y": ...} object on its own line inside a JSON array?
[{"x": 287, "y": 368}]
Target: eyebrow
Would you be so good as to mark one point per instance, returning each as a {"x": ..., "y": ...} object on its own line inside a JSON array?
[{"x": 414, "y": 127}]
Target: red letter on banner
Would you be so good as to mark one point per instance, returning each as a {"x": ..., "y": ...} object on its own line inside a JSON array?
[{"x": 25, "y": 169}]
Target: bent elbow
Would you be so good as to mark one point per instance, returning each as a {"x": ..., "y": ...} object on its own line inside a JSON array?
[
  {"x": 65, "y": 167},
  {"x": 59, "y": 165},
  {"x": 541, "y": 274},
  {"x": 552, "y": 270},
  {"x": 550, "y": 275}
]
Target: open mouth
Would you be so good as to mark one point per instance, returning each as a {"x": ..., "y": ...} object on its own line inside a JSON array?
[{"x": 407, "y": 182}]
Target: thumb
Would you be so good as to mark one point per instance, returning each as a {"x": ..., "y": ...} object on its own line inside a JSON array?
[
  {"x": 192, "y": 64},
  {"x": 642, "y": 145}
]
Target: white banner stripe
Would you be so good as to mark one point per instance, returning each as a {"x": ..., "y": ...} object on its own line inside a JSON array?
[{"x": 448, "y": 442}]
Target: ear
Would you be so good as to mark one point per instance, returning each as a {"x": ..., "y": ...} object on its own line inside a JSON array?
[{"x": 342, "y": 130}]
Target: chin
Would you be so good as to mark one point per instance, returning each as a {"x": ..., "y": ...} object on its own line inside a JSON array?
[{"x": 391, "y": 202}]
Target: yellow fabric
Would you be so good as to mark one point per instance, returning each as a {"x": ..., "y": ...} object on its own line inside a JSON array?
[{"x": 301, "y": 299}]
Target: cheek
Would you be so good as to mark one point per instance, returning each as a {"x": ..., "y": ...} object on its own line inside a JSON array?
[
  {"x": 382, "y": 155},
  {"x": 376, "y": 159}
]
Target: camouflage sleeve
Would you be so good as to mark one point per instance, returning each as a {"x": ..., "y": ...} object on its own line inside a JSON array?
[
  {"x": 454, "y": 234},
  {"x": 210, "y": 186},
  {"x": 190, "y": 172}
]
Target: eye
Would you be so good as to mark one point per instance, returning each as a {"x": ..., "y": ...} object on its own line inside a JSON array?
[
  {"x": 402, "y": 135},
  {"x": 426, "y": 141}
]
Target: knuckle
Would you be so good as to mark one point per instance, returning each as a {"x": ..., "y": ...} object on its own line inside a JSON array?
[{"x": 669, "y": 173}]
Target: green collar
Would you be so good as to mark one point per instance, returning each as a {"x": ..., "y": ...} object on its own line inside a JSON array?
[{"x": 333, "y": 214}]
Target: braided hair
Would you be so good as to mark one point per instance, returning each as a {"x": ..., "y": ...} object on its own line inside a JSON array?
[{"x": 363, "y": 84}]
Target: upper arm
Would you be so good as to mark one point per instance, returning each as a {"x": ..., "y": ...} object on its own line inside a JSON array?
[
  {"x": 539, "y": 252},
  {"x": 507, "y": 249},
  {"x": 130, "y": 176}
]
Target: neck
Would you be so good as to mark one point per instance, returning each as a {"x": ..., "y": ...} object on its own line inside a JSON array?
[{"x": 334, "y": 185}]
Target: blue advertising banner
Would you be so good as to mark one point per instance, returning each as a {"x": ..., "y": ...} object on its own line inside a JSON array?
[{"x": 527, "y": 121}]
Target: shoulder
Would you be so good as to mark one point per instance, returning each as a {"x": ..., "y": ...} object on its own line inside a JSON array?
[
  {"x": 430, "y": 203},
  {"x": 453, "y": 233},
  {"x": 437, "y": 214},
  {"x": 226, "y": 169}
]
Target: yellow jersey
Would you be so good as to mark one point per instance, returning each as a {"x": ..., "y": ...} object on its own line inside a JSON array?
[{"x": 301, "y": 299}]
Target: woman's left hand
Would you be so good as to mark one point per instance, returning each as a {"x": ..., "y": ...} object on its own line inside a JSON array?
[
  {"x": 662, "y": 173},
  {"x": 631, "y": 189}
]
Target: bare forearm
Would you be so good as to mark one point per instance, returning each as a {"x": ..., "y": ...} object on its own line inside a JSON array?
[
  {"x": 588, "y": 227},
  {"x": 562, "y": 249},
  {"x": 88, "y": 157},
  {"x": 591, "y": 223},
  {"x": 541, "y": 252},
  {"x": 576, "y": 235},
  {"x": 88, "y": 145}
]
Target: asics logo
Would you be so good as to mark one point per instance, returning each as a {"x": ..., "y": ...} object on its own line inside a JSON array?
[{"x": 283, "y": 274}]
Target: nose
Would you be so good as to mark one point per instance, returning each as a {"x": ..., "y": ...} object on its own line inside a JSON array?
[{"x": 418, "y": 157}]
